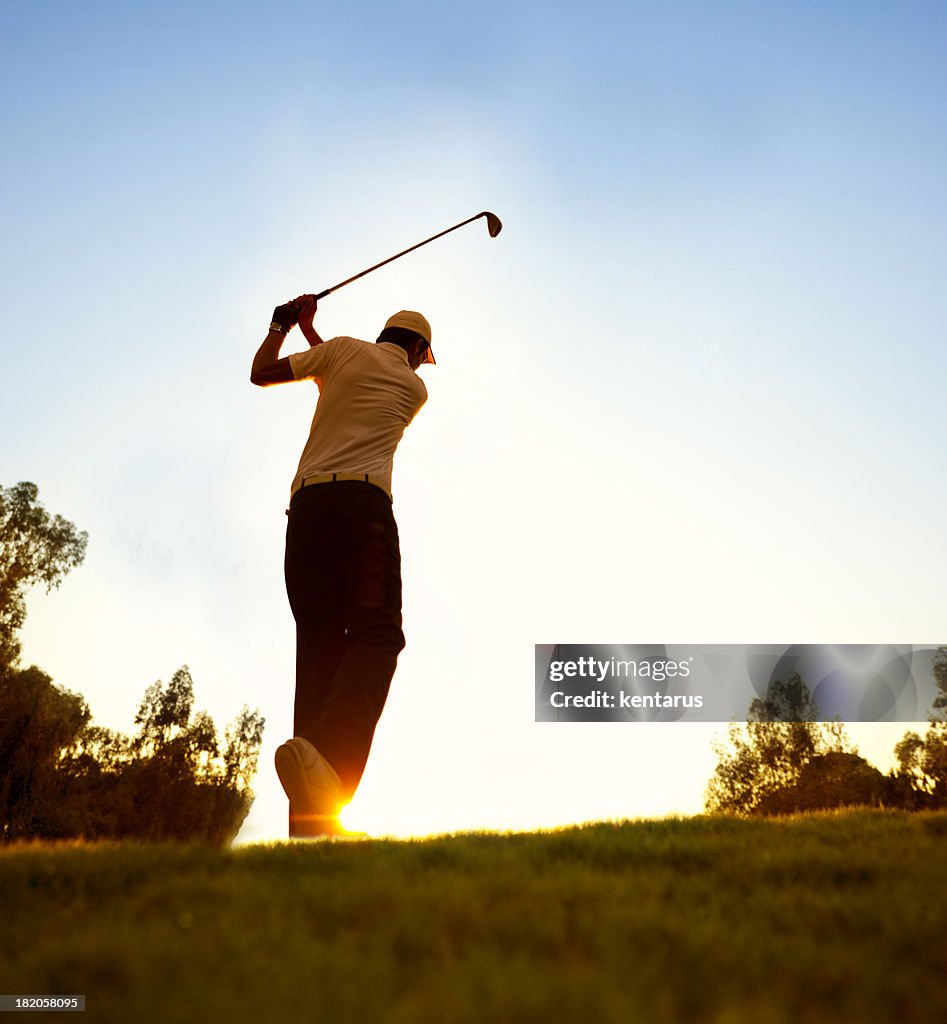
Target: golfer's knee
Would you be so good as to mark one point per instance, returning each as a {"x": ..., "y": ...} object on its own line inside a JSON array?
[{"x": 381, "y": 636}]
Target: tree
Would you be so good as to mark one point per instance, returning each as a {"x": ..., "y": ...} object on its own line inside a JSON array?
[
  {"x": 922, "y": 765},
  {"x": 940, "y": 677},
  {"x": 920, "y": 781},
  {"x": 836, "y": 778},
  {"x": 788, "y": 701},
  {"x": 768, "y": 755},
  {"x": 62, "y": 776},
  {"x": 184, "y": 787},
  {"x": 241, "y": 754},
  {"x": 34, "y": 548},
  {"x": 782, "y": 761},
  {"x": 37, "y": 721}
]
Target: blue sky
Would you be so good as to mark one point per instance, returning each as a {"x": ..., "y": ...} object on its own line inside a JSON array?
[{"x": 691, "y": 394}]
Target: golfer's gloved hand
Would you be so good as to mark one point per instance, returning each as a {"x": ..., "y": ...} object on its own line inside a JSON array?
[
  {"x": 305, "y": 307},
  {"x": 284, "y": 318}
]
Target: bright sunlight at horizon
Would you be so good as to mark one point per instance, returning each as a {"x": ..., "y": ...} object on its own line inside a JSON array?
[{"x": 692, "y": 393}]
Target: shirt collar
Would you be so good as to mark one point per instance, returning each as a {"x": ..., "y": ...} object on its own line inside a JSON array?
[{"x": 391, "y": 347}]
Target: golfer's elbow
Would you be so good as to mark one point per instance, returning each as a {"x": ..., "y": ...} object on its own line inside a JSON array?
[
  {"x": 262, "y": 376},
  {"x": 265, "y": 376}
]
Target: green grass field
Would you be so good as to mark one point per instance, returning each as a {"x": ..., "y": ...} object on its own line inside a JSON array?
[{"x": 838, "y": 918}]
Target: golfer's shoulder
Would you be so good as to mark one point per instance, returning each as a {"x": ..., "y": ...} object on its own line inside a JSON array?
[
  {"x": 344, "y": 349},
  {"x": 346, "y": 345}
]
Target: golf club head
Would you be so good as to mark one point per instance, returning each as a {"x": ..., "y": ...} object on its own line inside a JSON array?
[{"x": 494, "y": 225}]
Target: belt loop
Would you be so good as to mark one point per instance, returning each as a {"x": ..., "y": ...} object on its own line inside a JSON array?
[{"x": 334, "y": 476}]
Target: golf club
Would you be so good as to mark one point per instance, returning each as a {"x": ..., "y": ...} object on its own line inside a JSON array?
[{"x": 494, "y": 227}]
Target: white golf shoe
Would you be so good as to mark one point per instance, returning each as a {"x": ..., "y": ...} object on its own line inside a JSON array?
[{"x": 312, "y": 785}]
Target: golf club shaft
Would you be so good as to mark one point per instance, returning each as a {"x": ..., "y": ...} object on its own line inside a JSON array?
[{"x": 355, "y": 277}]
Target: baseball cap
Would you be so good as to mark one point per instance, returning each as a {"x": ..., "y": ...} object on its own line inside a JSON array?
[{"x": 413, "y": 321}]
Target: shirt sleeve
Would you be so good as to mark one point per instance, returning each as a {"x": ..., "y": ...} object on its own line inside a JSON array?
[{"x": 314, "y": 362}]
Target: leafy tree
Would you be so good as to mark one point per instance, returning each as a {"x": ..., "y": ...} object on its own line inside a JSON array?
[
  {"x": 940, "y": 677},
  {"x": 34, "y": 548},
  {"x": 60, "y": 775},
  {"x": 836, "y": 778},
  {"x": 37, "y": 721},
  {"x": 788, "y": 701},
  {"x": 63, "y": 776},
  {"x": 775, "y": 766},
  {"x": 768, "y": 755},
  {"x": 184, "y": 785},
  {"x": 920, "y": 780},
  {"x": 242, "y": 750},
  {"x": 922, "y": 764}
]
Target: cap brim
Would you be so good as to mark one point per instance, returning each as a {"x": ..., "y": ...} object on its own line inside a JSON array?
[{"x": 428, "y": 356}]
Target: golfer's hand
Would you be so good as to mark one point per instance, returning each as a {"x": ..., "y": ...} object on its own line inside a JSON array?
[
  {"x": 305, "y": 308},
  {"x": 286, "y": 316}
]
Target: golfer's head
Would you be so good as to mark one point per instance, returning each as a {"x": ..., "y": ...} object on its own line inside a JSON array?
[{"x": 412, "y": 332}]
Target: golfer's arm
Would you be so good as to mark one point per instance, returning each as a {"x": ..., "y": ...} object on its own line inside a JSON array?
[
  {"x": 309, "y": 333},
  {"x": 267, "y": 366}
]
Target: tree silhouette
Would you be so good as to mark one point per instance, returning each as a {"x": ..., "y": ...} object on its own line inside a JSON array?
[
  {"x": 788, "y": 701},
  {"x": 940, "y": 677},
  {"x": 184, "y": 786},
  {"x": 776, "y": 765},
  {"x": 34, "y": 548},
  {"x": 921, "y": 779},
  {"x": 922, "y": 764},
  {"x": 64, "y": 776},
  {"x": 769, "y": 754},
  {"x": 37, "y": 721},
  {"x": 836, "y": 778},
  {"x": 61, "y": 775}
]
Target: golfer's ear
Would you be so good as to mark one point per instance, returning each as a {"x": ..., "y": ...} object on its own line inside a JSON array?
[{"x": 279, "y": 372}]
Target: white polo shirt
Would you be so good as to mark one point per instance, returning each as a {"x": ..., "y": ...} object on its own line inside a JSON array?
[{"x": 368, "y": 394}]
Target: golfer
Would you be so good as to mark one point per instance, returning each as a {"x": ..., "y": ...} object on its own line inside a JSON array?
[{"x": 343, "y": 561}]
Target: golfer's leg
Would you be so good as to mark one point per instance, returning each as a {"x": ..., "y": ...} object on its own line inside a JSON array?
[
  {"x": 316, "y": 595},
  {"x": 318, "y": 653},
  {"x": 315, "y": 589},
  {"x": 372, "y": 644},
  {"x": 319, "y": 650}
]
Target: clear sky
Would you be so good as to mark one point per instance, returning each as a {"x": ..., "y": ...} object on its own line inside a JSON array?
[{"x": 692, "y": 394}]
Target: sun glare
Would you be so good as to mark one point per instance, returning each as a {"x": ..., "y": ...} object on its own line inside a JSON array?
[{"x": 381, "y": 818}]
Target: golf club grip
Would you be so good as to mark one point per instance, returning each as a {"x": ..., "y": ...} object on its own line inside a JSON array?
[{"x": 322, "y": 295}]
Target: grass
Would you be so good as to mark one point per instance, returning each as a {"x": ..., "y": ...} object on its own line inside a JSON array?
[{"x": 808, "y": 919}]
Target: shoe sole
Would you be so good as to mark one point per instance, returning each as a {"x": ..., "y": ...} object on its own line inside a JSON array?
[
  {"x": 292, "y": 776},
  {"x": 302, "y": 806}
]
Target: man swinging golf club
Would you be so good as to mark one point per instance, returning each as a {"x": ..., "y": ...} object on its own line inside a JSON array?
[{"x": 343, "y": 561}]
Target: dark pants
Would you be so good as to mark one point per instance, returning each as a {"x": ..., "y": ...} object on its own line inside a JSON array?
[{"x": 343, "y": 578}]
